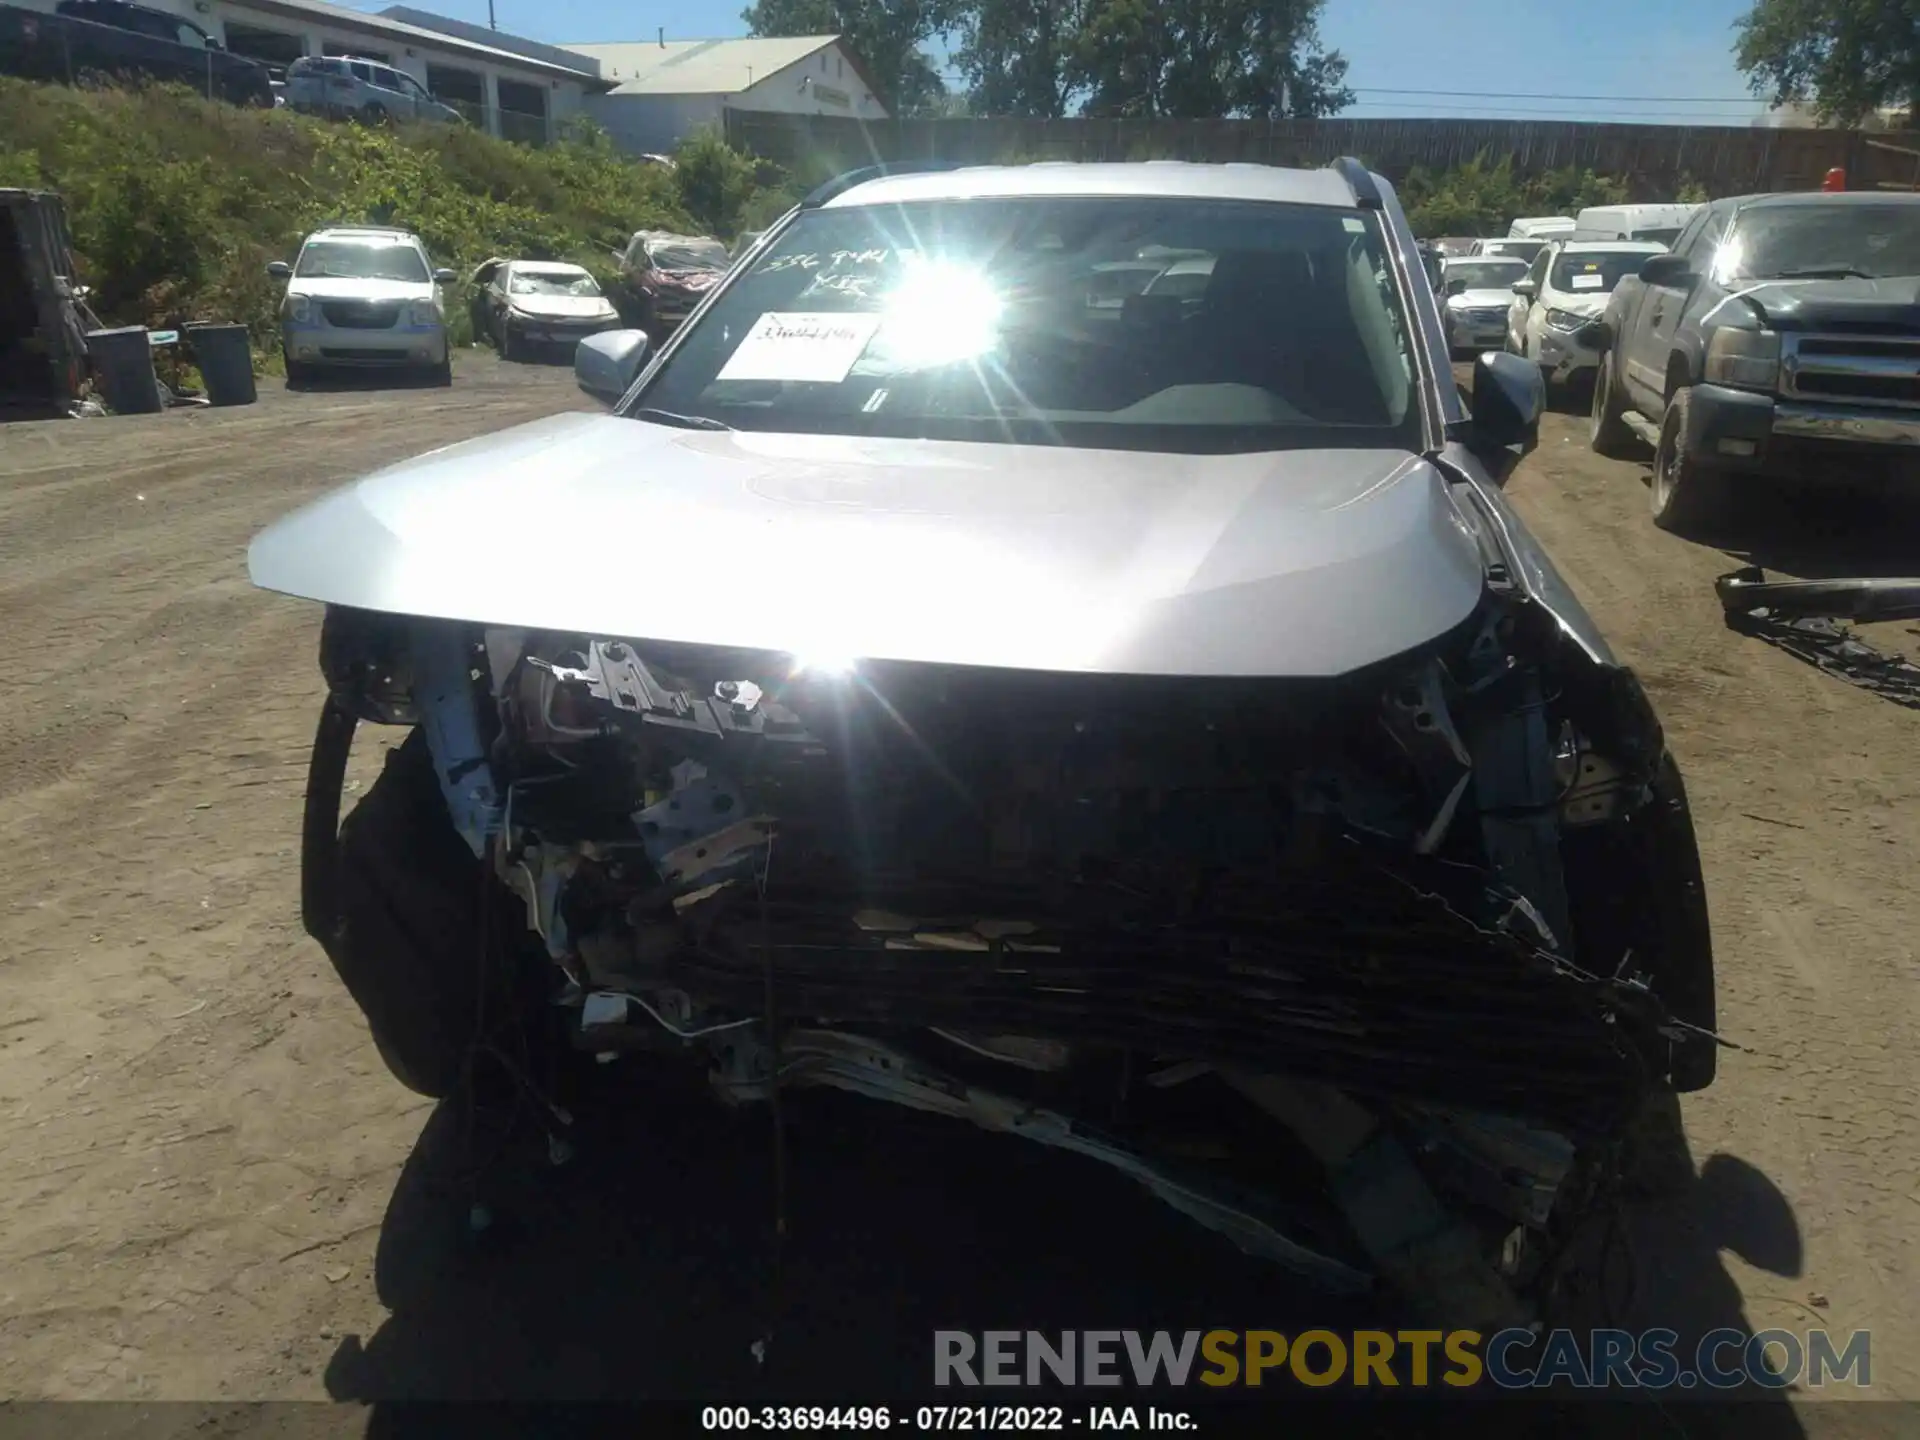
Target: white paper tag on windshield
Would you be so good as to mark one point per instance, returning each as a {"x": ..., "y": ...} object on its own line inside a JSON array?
[
  {"x": 1586, "y": 282},
  {"x": 815, "y": 347}
]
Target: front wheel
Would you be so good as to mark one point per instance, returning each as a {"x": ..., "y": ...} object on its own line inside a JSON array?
[
  {"x": 1684, "y": 494},
  {"x": 428, "y": 943},
  {"x": 443, "y": 372},
  {"x": 1607, "y": 430}
]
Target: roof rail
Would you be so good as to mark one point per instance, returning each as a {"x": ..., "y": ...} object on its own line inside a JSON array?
[
  {"x": 1365, "y": 193},
  {"x": 840, "y": 184}
]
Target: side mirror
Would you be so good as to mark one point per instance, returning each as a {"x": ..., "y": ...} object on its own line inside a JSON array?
[
  {"x": 279, "y": 269},
  {"x": 1456, "y": 287},
  {"x": 1595, "y": 335},
  {"x": 606, "y": 365},
  {"x": 1526, "y": 288},
  {"x": 443, "y": 276},
  {"x": 1509, "y": 394},
  {"x": 1666, "y": 270}
]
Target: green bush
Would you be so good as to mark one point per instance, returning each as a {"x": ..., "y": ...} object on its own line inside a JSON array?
[
  {"x": 177, "y": 203},
  {"x": 1479, "y": 198}
]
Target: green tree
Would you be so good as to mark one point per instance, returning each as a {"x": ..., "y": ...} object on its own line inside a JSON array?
[
  {"x": 885, "y": 34},
  {"x": 1846, "y": 57},
  {"x": 1133, "y": 59}
]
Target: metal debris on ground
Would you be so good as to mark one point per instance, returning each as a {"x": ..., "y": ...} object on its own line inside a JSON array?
[{"x": 1796, "y": 617}]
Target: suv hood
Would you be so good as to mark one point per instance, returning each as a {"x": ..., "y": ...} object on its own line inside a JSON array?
[
  {"x": 1307, "y": 563},
  {"x": 562, "y": 307},
  {"x": 324, "y": 288},
  {"x": 1891, "y": 304}
]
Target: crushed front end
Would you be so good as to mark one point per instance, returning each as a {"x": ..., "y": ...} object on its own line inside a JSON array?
[{"x": 1402, "y": 954}]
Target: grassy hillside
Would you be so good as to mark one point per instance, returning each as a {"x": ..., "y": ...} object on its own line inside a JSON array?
[{"x": 177, "y": 204}]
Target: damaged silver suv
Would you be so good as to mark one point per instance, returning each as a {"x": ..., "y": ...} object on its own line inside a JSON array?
[{"x": 1145, "y": 729}]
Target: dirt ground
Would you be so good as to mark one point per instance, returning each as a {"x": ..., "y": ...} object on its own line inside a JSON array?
[{"x": 212, "y": 1190}]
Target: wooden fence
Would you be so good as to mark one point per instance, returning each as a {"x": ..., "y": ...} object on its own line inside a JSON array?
[{"x": 1653, "y": 159}]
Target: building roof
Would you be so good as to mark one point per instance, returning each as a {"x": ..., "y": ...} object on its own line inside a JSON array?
[
  {"x": 699, "y": 67},
  {"x": 492, "y": 39},
  {"x": 400, "y": 32},
  {"x": 1174, "y": 178}
]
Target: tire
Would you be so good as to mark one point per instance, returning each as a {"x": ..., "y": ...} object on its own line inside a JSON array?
[
  {"x": 1683, "y": 494},
  {"x": 374, "y": 113},
  {"x": 406, "y": 935},
  {"x": 442, "y": 374},
  {"x": 1607, "y": 431},
  {"x": 298, "y": 372},
  {"x": 509, "y": 348}
]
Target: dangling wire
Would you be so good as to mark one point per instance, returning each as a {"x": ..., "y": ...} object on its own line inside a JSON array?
[{"x": 777, "y": 1287}]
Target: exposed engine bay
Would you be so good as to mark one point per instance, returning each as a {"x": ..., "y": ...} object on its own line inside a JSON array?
[{"x": 1430, "y": 934}]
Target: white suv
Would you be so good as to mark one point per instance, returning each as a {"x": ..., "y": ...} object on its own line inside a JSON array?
[{"x": 363, "y": 296}]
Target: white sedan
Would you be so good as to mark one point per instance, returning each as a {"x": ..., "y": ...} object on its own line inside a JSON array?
[{"x": 1568, "y": 286}]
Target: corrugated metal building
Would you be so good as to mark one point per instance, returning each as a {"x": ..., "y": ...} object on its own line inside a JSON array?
[{"x": 664, "y": 91}]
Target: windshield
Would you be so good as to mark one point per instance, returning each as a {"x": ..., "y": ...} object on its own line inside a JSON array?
[
  {"x": 552, "y": 282},
  {"x": 1659, "y": 237},
  {"x": 688, "y": 254},
  {"x": 1521, "y": 250},
  {"x": 357, "y": 260},
  {"x": 974, "y": 320},
  {"x": 1774, "y": 241},
  {"x": 1595, "y": 272},
  {"x": 1497, "y": 274}
]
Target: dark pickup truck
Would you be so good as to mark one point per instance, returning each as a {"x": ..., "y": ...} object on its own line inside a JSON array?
[
  {"x": 1780, "y": 337},
  {"x": 85, "y": 41}
]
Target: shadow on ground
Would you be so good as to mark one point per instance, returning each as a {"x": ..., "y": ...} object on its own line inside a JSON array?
[
  {"x": 643, "y": 1268},
  {"x": 1824, "y": 532},
  {"x": 344, "y": 381}
]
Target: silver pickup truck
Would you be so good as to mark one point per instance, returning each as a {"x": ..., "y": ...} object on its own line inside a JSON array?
[{"x": 1780, "y": 338}]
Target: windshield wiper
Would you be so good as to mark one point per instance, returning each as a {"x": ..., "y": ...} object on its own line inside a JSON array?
[
  {"x": 1824, "y": 272},
  {"x": 685, "y": 422}
]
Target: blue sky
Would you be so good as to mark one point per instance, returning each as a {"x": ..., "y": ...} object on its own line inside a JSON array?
[{"x": 1677, "y": 51}]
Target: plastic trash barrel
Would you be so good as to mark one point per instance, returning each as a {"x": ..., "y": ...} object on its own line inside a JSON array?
[
  {"x": 226, "y": 363},
  {"x": 123, "y": 369}
]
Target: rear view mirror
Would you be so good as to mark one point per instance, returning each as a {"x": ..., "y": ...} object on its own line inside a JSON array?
[
  {"x": 1526, "y": 288},
  {"x": 279, "y": 269},
  {"x": 1456, "y": 287},
  {"x": 1595, "y": 335},
  {"x": 443, "y": 276},
  {"x": 605, "y": 365},
  {"x": 1509, "y": 393}
]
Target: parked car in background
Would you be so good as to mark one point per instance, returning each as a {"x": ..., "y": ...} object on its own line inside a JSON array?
[
  {"x": 103, "y": 40},
  {"x": 1542, "y": 227},
  {"x": 663, "y": 276},
  {"x": 1567, "y": 287},
  {"x": 1661, "y": 224},
  {"x": 1525, "y": 251},
  {"x": 363, "y": 296},
  {"x": 1475, "y": 294},
  {"x": 524, "y": 305},
  {"x": 1779, "y": 338},
  {"x": 347, "y": 87}
]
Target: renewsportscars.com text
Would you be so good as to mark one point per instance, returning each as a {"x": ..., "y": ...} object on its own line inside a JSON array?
[{"x": 1459, "y": 1359}]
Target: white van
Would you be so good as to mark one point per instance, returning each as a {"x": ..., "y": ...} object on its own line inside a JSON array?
[
  {"x": 1541, "y": 227},
  {"x": 1661, "y": 224}
]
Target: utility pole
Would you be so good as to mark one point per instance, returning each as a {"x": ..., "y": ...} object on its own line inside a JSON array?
[{"x": 492, "y": 24}]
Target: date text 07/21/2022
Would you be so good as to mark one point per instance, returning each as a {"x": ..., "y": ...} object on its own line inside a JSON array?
[{"x": 940, "y": 1419}]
